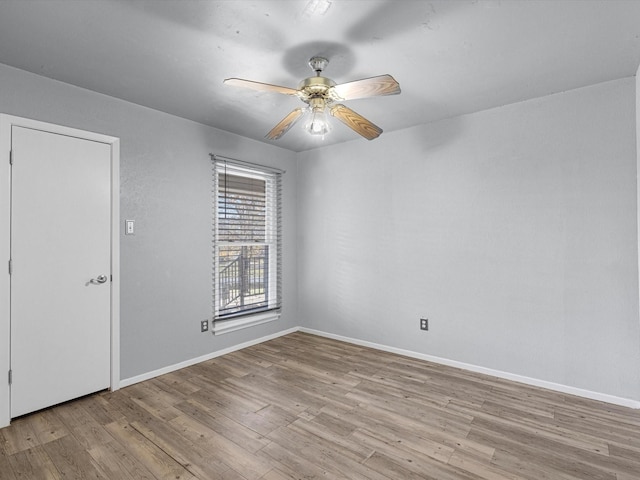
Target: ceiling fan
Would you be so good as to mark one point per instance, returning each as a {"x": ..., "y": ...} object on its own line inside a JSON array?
[{"x": 321, "y": 94}]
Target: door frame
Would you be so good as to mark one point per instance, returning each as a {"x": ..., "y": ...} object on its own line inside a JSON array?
[{"x": 6, "y": 122}]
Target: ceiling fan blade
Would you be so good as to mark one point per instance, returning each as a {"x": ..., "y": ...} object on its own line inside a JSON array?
[
  {"x": 356, "y": 122},
  {"x": 263, "y": 87},
  {"x": 367, "y": 87},
  {"x": 283, "y": 127}
]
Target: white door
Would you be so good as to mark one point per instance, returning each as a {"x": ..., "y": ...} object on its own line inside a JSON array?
[{"x": 60, "y": 268}]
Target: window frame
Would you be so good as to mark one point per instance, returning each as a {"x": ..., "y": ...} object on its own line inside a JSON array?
[{"x": 225, "y": 323}]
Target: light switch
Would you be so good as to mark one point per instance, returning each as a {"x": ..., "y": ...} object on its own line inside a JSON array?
[{"x": 129, "y": 227}]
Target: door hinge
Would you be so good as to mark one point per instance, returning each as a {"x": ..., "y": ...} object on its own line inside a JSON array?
[
  {"x": 10, "y": 157},
  {"x": 10, "y": 266},
  {"x": 10, "y": 377}
]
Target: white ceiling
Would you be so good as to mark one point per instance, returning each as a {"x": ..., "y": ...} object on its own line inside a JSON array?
[{"x": 450, "y": 57}]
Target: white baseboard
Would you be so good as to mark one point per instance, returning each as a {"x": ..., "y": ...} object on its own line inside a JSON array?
[
  {"x": 625, "y": 402},
  {"x": 602, "y": 397},
  {"x": 187, "y": 363}
]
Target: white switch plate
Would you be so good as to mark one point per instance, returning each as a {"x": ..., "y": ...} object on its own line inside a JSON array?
[{"x": 129, "y": 227}]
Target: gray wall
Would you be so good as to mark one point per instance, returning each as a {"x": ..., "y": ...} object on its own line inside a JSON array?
[
  {"x": 166, "y": 189},
  {"x": 513, "y": 230}
]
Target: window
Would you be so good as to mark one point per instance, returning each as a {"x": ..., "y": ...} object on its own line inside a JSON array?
[{"x": 247, "y": 244}]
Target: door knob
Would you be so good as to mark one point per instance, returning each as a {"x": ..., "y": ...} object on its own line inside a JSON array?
[{"x": 99, "y": 279}]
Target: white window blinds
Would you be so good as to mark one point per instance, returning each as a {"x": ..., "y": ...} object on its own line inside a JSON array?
[{"x": 247, "y": 240}]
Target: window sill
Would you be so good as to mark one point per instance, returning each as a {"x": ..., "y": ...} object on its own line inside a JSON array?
[{"x": 228, "y": 326}]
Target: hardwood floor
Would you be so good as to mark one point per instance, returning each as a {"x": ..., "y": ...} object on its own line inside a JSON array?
[{"x": 306, "y": 407}]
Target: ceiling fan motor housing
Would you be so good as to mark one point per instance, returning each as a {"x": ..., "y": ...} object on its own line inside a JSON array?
[{"x": 314, "y": 87}]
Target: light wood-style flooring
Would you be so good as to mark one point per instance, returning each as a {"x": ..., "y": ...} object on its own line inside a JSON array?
[{"x": 306, "y": 407}]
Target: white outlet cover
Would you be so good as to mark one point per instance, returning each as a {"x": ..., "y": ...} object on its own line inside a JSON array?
[{"x": 129, "y": 227}]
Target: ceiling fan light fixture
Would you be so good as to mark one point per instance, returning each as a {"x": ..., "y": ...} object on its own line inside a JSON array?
[{"x": 317, "y": 123}]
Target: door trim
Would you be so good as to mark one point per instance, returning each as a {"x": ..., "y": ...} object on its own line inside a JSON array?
[{"x": 6, "y": 122}]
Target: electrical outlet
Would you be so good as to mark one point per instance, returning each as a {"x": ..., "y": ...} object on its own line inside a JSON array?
[
  {"x": 204, "y": 326},
  {"x": 424, "y": 324}
]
